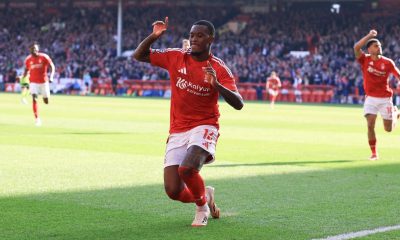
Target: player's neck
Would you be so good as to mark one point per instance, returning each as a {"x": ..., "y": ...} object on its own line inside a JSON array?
[
  {"x": 376, "y": 57},
  {"x": 200, "y": 57}
]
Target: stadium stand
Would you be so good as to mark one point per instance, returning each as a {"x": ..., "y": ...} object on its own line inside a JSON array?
[{"x": 307, "y": 41}]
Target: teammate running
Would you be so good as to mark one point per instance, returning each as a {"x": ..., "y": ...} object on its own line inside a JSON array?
[
  {"x": 273, "y": 84},
  {"x": 36, "y": 65},
  {"x": 376, "y": 70}
]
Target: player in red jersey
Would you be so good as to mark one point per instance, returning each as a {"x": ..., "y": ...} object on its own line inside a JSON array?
[
  {"x": 273, "y": 84},
  {"x": 36, "y": 64},
  {"x": 197, "y": 79},
  {"x": 376, "y": 70}
]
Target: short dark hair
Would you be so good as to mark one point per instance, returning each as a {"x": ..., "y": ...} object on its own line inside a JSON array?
[
  {"x": 371, "y": 41},
  {"x": 208, "y": 24},
  {"x": 33, "y": 44}
]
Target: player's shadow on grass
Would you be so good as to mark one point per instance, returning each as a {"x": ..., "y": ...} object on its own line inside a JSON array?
[
  {"x": 277, "y": 163},
  {"x": 294, "y": 205}
]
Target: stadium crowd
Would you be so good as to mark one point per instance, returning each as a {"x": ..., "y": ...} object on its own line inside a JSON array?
[{"x": 82, "y": 42}]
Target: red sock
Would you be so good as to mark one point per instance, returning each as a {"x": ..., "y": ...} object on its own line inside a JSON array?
[
  {"x": 372, "y": 145},
  {"x": 194, "y": 183},
  {"x": 186, "y": 196},
  {"x": 34, "y": 104}
]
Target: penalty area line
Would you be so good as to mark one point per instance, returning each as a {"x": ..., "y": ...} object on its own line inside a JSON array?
[{"x": 362, "y": 233}]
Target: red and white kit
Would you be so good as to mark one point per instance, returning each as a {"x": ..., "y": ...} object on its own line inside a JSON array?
[
  {"x": 194, "y": 102},
  {"x": 273, "y": 85},
  {"x": 37, "y": 66},
  {"x": 376, "y": 84}
]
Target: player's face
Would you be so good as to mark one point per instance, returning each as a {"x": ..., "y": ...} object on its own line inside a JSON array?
[
  {"x": 375, "y": 48},
  {"x": 200, "y": 39},
  {"x": 186, "y": 44},
  {"x": 34, "y": 49}
]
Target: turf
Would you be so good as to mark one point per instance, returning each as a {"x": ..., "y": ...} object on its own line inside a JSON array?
[{"x": 94, "y": 171}]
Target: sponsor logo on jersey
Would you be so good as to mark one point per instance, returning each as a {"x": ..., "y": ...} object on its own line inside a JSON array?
[
  {"x": 195, "y": 89},
  {"x": 38, "y": 65},
  {"x": 376, "y": 72}
]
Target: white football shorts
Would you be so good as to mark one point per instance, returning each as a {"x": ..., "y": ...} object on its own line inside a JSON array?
[
  {"x": 273, "y": 92},
  {"x": 384, "y": 106},
  {"x": 204, "y": 136},
  {"x": 40, "y": 89}
]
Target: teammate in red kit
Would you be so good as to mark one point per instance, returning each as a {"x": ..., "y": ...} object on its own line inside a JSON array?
[
  {"x": 376, "y": 71},
  {"x": 197, "y": 79},
  {"x": 36, "y": 64},
  {"x": 273, "y": 84}
]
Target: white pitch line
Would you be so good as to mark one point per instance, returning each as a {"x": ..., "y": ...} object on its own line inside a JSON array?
[{"x": 362, "y": 233}]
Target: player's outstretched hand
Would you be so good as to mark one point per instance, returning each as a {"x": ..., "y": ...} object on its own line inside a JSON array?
[
  {"x": 159, "y": 27},
  {"x": 210, "y": 74},
  {"x": 373, "y": 33}
]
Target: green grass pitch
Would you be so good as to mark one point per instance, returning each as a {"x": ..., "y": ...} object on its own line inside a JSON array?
[{"x": 94, "y": 171}]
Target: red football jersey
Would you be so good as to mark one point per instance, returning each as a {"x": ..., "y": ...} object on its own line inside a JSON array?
[
  {"x": 37, "y": 66},
  {"x": 376, "y": 75},
  {"x": 193, "y": 100},
  {"x": 273, "y": 83}
]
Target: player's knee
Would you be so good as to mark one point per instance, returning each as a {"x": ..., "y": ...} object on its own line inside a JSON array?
[
  {"x": 185, "y": 171},
  {"x": 388, "y": 129},
  {"x": 371, "y": 126},
  {"x": 172, "y": 192}
]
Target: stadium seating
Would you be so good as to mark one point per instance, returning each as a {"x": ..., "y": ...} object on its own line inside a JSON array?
[{"x": 77, "y": 43}]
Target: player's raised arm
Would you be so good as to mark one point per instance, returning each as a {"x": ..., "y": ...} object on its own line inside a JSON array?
[
  {"x": 362, "y": 42},
  {"x": 142, "y": 52},
  {"x": 233, "y": 98}
]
